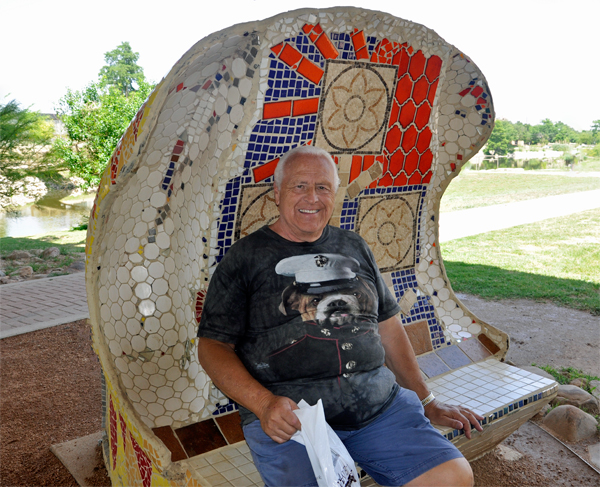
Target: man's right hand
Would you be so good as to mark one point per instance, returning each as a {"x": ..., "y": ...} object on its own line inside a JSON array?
[{"x": 277, "y": 418}]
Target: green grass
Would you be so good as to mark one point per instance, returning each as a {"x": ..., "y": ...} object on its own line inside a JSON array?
[
  {"x": 567, "y": 374},
  {"x": 474, "y": 188},
  {"x": 67, "y": 242},
  {"x": 555, "y": 260}
]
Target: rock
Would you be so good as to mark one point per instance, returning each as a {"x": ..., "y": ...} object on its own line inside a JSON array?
[
  {"x": 35, "y": 252},
  {"x": 538, "y": 371},
  {"x": 26, "y": 271},
  {"x": 570, "y": 423},
  {"x": 4, "y": 280},
  {"x": 36, "y": 259},
  {"x": 2, "y": 273},
  {"x": 594, "y": 451},
  {"x": 18, "y": 254},
  {"x": 594, "y": 386},
  {"x": 78, "y": 265},
  {"x": 575, "y": 396},
  {"x": 50, "y": 253},
  {"x": 507, "y": 453},
  {"x": 579, "y": 382}
]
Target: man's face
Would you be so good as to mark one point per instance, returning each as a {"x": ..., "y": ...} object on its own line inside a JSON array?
[{"x": 305, "y": 198}]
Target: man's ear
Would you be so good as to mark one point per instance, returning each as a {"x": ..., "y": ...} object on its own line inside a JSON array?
[{"x": 276, "y": 193}]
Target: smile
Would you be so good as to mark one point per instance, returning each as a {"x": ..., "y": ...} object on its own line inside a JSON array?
[{"x": 311, "y": 212}]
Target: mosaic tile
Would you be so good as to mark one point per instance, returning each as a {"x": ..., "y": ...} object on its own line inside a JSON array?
[
  {"x": 474, "y": 349},
  {"x": 453, "y": 356},
  {"x": 200, "y": 437},
  {"x": 418, "y": 334},
  {"x": 431, "y": 365}
]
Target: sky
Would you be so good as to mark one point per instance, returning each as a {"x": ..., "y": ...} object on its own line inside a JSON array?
[{"x": 540, "y": 57}]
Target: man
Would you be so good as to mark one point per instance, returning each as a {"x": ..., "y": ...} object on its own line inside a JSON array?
[{"x": 298, "y": 310}]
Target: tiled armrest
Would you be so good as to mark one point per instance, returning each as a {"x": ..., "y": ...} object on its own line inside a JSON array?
[{"x": 490, "y": 388}]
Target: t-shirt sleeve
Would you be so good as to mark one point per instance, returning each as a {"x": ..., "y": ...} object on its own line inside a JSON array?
[{"x": 225, "y": 307}]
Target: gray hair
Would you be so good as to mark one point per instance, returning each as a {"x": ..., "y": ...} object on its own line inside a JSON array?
[{"x": 303, "y": 150}]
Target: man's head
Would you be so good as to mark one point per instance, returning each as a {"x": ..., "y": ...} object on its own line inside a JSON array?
[{"x": 306, "y": 181}]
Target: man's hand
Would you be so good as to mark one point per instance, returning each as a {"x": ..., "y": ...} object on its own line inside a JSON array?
[
  {"x": 456, "y": 417},
  {"x": 277, "y": 418}
]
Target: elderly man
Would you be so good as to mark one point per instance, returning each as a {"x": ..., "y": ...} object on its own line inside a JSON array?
[{"x": 298, "y": 310}]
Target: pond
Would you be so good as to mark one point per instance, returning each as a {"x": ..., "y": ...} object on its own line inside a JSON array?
[{"x": 48, "y": 214}]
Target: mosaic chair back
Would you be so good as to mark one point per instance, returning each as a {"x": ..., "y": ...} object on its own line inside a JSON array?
[{"x": 400, "y": 109}]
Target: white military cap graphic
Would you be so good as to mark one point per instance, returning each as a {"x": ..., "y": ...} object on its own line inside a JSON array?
[{"x": 319, "y": 272}]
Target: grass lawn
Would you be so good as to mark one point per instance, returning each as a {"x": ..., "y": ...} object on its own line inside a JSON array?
[
  {"x": 477, "y": 188},
  {"x": 554, "y": 260},
  {"x": 67, "y": 242}
]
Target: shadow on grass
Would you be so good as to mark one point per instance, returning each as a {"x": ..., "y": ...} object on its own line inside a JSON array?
[
  {"x": 496, "y": 283},
  {"x": 67, "y": 242}
]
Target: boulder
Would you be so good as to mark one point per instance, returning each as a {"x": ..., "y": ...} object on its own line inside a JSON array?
[
  {"x": 35, "y": 252},
  {"x": 538, "y": 371},
  {"x": 26, "y": 271},
  {"x": 50, "y": 253},
  {"x": 2, "y": 273},
  {"x": 4, "y": 280},
  {"x": 575, "y": 396},
  {"x": 18, "y": 254},
  {"x": 78, "y": 265},
  {"x": 570, "y": 423},
  {"x": 579, "y": 382},
  {"x": 594, "y": 451},
  {"x": 595, "y": 388}
]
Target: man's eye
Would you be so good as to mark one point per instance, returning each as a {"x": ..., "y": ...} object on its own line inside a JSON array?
[{"x": 316, "y": 301}]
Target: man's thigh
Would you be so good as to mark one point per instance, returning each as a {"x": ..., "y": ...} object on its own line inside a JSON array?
[
  {"x": 279, "y": 464},
  {"x": 400, "y": 445}
]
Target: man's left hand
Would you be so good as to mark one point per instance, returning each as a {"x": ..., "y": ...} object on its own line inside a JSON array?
[{"x": 456, "y": 417}]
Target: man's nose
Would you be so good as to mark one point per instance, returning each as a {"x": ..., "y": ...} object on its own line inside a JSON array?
[{"x": 311, "y": 195}]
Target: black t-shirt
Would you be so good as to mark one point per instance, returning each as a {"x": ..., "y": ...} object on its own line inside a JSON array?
[{"x": 304, "y": 319}]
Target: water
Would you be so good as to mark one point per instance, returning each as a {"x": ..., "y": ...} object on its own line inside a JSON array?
[{"x": 46, "y": 215}]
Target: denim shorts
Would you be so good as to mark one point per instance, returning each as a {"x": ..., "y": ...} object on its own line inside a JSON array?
[{"x": 393, "y": 449}]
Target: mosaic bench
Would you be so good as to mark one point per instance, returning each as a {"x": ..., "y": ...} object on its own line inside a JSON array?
[{"x": 400, "y": 109}]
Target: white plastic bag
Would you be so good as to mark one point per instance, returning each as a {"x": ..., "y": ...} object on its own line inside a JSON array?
[{"x": 331, "y": 462}]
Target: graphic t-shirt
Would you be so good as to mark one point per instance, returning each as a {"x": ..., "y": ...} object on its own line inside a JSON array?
[{"x": 304, "y": 320}]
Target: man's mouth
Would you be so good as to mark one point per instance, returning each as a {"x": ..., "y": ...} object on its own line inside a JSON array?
[{"x": 310, "y": 212}]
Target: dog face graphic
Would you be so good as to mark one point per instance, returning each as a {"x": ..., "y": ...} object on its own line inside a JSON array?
[{"x": 334, "y": 307}]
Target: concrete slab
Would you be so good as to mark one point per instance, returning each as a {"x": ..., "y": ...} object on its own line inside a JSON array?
[{"x": 79, "y": 456}]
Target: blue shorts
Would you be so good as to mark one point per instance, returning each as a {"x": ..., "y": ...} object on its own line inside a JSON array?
[{"x": 393, "y": 449}]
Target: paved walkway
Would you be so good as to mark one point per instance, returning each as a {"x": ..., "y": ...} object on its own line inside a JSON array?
[{"x": 33, "y": 305}]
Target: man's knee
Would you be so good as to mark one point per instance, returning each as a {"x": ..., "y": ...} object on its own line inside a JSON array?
[{"x": 453, "y": 473}]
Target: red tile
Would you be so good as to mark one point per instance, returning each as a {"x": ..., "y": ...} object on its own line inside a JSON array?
[
  {"x": 362, "y": 53},
  {"x": 310, "y": 71},
  {"x": 409, "y": 138},
  {"x": 427, "y": 178},
  {"x": 417, "y": 65},
  {"x": 432, "y": 90},
  {"x": 277, "y": 48},
  {"x": 355, "y": 168},
  {"x": 200, "y": 437},
  {"x": 424, "y": 140},
  {"x": 386, "y": 181},
  {"x": 358, "y": 40},
  {"x": 420, "y": 90},
  {"x": 290, "y": 55},
  {"x": 326, "y": 47},
  {"x": 231, "y": 427},
  {"x": 401, "y": 59},
  {"x": 422, "y": 116},
  {"x": 394, "y": 114},
  {"x": 465, "y": 92},
  {"x": 403, "y": 89},
  {"x": 368, "y": 162},
  {"x": 434, "y": 66},
  {"x": 477, "y": 91},
  {"x": 407, "y": 114},
  {"x": 425, "y": 161},
  {"x": 411, "y": 162},
  {"x": 396, "y": 163},
  {"x": 392, "y": 139},
  {"x": 167, "y": 436},
  {"x": 277, "y": 109},
  {"x": 307, "y": 28},
  {"x": 415, "y": 178},
  {"x": 265, "y": 171},
  {"x": 401, "y": 180},
  {"x": 305, "y": 106}
]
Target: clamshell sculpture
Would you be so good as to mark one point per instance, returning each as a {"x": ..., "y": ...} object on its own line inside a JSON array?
[{"x": 399, "y": 108}]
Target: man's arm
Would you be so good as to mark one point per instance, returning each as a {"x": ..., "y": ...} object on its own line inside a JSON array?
[
  {"x": 228, "y": 373},
  {"x": 400, "y": 359}
]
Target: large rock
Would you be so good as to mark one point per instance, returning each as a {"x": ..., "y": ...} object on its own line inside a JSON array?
[
  {"x": 26, "y": 271},
  {"x": 595, "y": 388},
  {"x": 18, "y": 254},
  {"x": 78, "y": 265},
  {"x": 594, "y": 451},
  {"x": 571, "y": 423},
  {"x": 575, "y": 396},
  {"x": 50, "y": 253},
  {"x": 538, "y": 371}
]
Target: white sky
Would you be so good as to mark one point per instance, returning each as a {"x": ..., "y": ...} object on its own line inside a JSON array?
[{"x": 541, "y": 57}]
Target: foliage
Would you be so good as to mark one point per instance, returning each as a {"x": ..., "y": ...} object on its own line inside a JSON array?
[
  {"x": 567, "y": 374},
  {"x": 95, "y": 119},
  {"x": 546, "y": 132},
  {"x": 122, "y": 70},
  {"x": 501, "y": 139},
  {"x": 25, "y": 146}
]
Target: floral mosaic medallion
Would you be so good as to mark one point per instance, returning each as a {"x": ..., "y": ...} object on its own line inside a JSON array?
[
  {"x": 257, "y": 208},
  {"x": 389, "y": 226},
  {"x": 356, "y": 102}
]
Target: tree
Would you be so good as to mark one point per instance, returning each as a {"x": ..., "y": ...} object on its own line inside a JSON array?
[
  {"x": 25, "y": 146},
  {"x": 95, "y": 119},
  {"x": 122, "y": 70},
  {"x": 596, "y": 126},
  {"x": 501, "y": 139}
]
